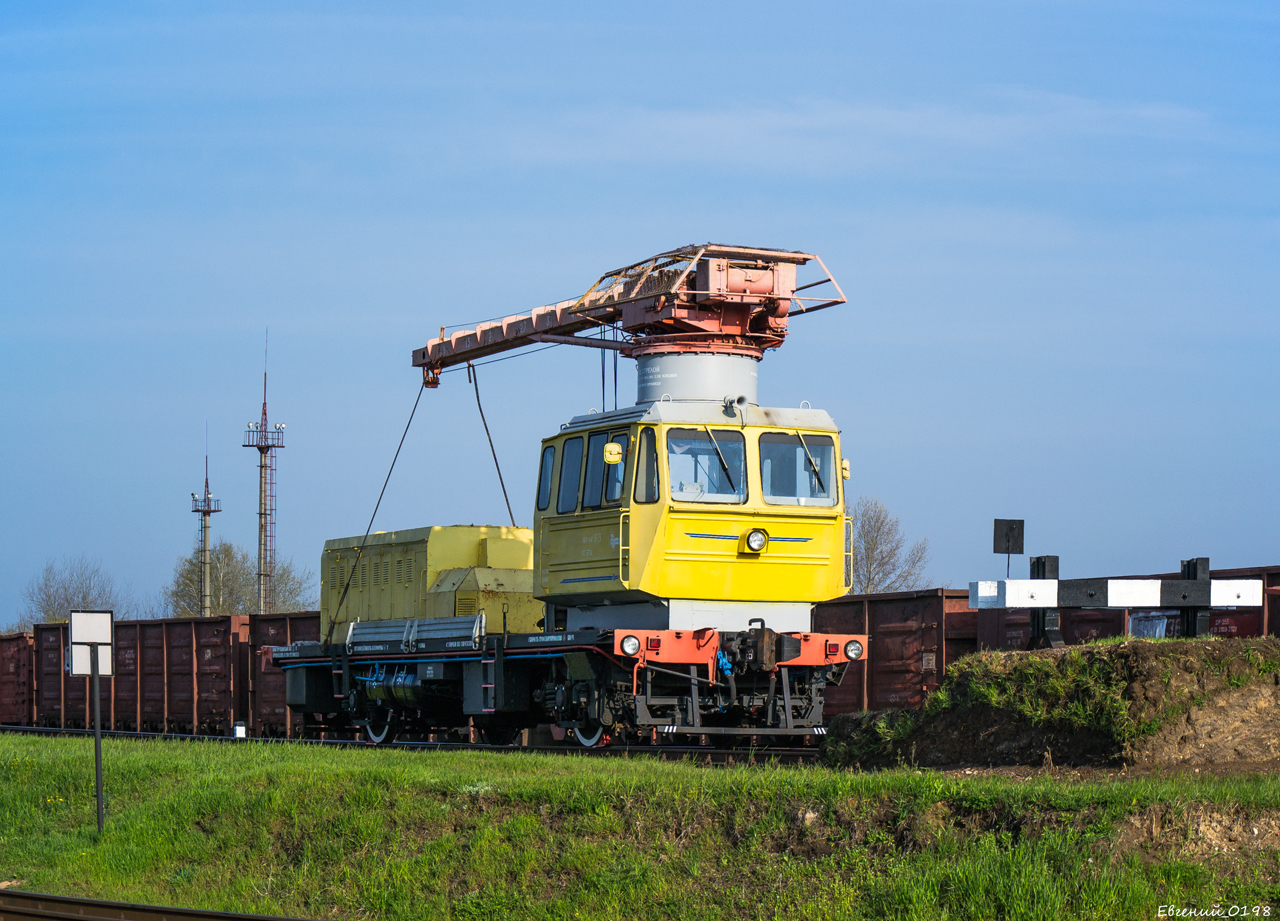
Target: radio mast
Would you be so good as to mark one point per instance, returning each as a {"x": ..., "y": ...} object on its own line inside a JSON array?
[
  {"x": 204, "y": 506},
  {"x": 266, "y": 439}
]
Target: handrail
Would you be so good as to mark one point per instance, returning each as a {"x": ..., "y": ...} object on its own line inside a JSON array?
[{"x": 624, "y": 549}]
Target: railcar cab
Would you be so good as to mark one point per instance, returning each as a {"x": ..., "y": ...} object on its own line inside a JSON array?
[{"x": 679, "y": 512}]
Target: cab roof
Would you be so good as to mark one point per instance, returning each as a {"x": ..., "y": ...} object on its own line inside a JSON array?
[{"x": 699, "y": 412}]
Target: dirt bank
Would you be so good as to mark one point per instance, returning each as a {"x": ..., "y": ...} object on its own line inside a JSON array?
[{"x": 1140, "y": 702}]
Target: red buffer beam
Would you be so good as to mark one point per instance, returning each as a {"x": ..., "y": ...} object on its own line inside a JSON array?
[{"x": 709, "y": 297}]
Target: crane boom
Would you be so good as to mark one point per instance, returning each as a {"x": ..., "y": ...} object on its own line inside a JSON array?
[{"x": 699, "y": 298}]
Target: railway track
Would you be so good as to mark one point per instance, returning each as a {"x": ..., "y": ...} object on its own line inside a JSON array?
[
  {"x": 15, "y": 905},
  {"x": 701, "y": 754}
]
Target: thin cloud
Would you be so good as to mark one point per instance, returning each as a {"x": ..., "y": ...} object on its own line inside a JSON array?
[{"x": 836, "y": 136}]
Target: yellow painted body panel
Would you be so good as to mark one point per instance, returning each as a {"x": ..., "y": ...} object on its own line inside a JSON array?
[
  {"x": 467, "y": 592},
  {"x": 686, "y": 562},
  {"x": 670, "y": 549},
  {"x": 397, "y": 575}
]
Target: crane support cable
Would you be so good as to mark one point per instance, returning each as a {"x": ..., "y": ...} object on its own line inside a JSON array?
[
  {"x": 360, "y": 551},
  {"x": 474, "y": 376}
]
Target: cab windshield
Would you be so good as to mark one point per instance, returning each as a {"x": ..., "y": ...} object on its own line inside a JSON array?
[
  {"x": 796, "y": 471},
  {"x": 707, "y": 466}
]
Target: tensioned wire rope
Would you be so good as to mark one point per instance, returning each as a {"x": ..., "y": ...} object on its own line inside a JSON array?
[
  {"x": 471, "y": 373},
  {"x": 360, "y": 551},
  {"x": 346, "y": 585}
]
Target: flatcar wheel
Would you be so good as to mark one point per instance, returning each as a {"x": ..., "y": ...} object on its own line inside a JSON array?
[
  {"x": 589, "y": 736},
  {"x": 387, "y": 732}
]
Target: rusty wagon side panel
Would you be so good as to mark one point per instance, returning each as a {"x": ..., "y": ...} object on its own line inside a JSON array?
[
  {"x": 17, "y": 659},
  {"x": 270, "y": 716}
]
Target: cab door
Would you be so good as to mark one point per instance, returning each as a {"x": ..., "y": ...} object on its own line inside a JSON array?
[{"x": 581, "y": 533}]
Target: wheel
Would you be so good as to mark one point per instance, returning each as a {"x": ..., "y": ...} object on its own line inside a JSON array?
[
  {"x": 589, "y": 736},
  {"x": 387, "y": 731}
]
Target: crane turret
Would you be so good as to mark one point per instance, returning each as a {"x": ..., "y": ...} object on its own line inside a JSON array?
[{"x": 696, "y": 319}]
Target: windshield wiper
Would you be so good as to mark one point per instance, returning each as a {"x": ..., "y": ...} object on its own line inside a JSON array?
[
  {"x": 727, "y": 475},
  {"x": 812, "y": 466}
]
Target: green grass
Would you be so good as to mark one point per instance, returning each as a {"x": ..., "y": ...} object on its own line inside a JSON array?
[{"x": 385, "y": 834}]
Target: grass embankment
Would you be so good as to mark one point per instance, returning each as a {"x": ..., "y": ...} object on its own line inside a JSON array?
[
  {"x": 1146, "y": 701},
  {"x": 385, "y": 834}
]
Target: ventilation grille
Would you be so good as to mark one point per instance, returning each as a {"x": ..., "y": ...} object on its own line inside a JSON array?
[
  {"x": 465, "y": 607},
  {"x": 333, "y": 575},
  {"x": 364, "y": 574},
  {"x": 399, "y": 570}
]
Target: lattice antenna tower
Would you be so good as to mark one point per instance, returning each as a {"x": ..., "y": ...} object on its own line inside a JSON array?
[
  {"x": 266, "y": 438},
  {"x": 205, "y": 505}
]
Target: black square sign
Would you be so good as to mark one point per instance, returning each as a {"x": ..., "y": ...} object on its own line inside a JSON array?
[{"x": 1008, "y": 537}]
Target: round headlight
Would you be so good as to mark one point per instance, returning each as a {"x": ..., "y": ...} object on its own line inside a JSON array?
[
  {"x": 630, "y": 645},
  {"x": 853, "y": 649},
  {"x": 756, "y": 541}
]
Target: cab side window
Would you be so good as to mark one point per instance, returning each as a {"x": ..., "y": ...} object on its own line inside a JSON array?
[
  {"x": 570, "y": 476},
  {"x": 544, "y": 477},
  {"x": 615, "y": 475},
  {"x": 647, "y": 467},
  {"x": 594, "y": 489}
]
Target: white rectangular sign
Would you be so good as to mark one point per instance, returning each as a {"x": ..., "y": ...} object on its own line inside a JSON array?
[
  {"x": 91, "y": 627},
  {"x": 1133, "y": 593},
  {"x": 1029, "y": 593},
  {"x": 1014, "y": 593},
  {"x": 1235, "y": 593},
  {"x": 81, "y": 664}
]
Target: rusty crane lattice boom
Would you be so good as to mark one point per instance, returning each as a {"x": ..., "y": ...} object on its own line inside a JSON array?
[{"x": 709, "y": 298}]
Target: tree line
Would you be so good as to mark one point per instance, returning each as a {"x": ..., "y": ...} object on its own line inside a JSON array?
[{"x": 82, "y": 584}]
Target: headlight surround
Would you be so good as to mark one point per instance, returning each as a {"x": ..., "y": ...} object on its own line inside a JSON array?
[
  {"x": 757, "y": 540},
  {"x": 630, "y": 645},
  {"x": 853, "y": 649}
]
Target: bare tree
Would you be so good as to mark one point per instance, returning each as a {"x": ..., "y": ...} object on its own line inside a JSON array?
[
  {"x": 882, "y": 562},
  {"x": 234, "y": 574},
  {"x": 74, "y": 584}
]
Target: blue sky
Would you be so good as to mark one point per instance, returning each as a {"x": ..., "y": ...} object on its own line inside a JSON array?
[{"x": 1057, "y": 224}]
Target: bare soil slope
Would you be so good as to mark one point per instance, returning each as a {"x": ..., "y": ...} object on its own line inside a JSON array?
[{"x": 1137, "y": 702}]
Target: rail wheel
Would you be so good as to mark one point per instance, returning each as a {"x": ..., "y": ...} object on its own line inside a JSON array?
[
  {"x": 589, "y": 734},
  {"x": 381, "y": 728}
]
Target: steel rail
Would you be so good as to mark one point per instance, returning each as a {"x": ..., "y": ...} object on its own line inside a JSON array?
[
  {"x": 703, "y": 754},
  {"x": 16, "y": 904}
]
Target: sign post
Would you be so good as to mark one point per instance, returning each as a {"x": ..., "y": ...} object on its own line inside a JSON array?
[{"x": 92, "y": 634}]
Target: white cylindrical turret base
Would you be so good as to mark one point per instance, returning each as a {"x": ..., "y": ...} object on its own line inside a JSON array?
[{"x": 695, "y": 376}]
